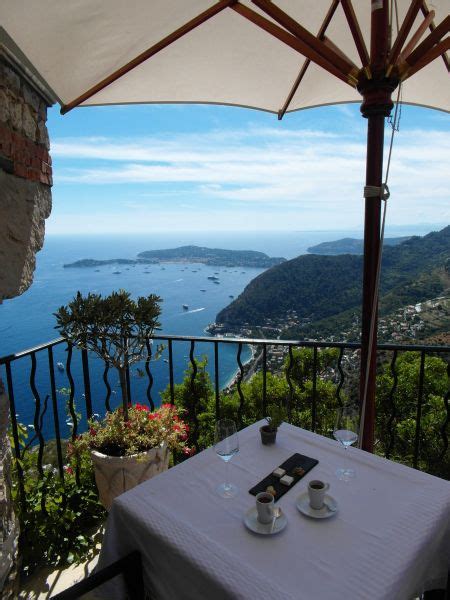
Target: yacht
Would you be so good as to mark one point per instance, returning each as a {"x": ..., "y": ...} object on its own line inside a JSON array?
[
  {"x": 186, "y": 307},
  {"x": 60, "y": 366}
]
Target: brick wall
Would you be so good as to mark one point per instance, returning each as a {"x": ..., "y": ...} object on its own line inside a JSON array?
[
  {"x": 23, "y": 157},
  {"x": 24, "y": 142}
]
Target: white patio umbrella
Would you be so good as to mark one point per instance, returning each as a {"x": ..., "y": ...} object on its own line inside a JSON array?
[{"x": 275, "y": 56}]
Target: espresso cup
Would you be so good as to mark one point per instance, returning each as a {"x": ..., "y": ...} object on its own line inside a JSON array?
[
  {"x": 264, "y": 505},
  {"x": 316, "y": 491}
]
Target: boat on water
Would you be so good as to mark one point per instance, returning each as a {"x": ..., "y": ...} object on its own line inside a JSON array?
[
  {"x": 213, "y": 277},
  {"x": 217, "y": 282},
  {"x": 60, "y": 367},
  {"x": 185, "y": 306},
  {"x": 116, "y": 272},
  {"x": 231, "y": 296},
  {"x": 203, "y": 290}
]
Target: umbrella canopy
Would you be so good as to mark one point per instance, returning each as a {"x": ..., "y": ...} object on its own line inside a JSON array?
[
  {"x": 227, "y": 56},
  {"x": 277, "y": 57}
]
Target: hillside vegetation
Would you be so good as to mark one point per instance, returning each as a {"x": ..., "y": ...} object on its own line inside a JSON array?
[
  {"x": 328, "y": 289},
  {"x": 349, "y": 246}
]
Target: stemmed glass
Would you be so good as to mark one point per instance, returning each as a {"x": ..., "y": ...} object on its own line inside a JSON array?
[
  {"x": 226, "y": 446},
  {"x": 346, "y": 431}
]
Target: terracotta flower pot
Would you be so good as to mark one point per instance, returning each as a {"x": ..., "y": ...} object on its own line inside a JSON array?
[
  {"x": 268, "y": 436},
  {"x": 117, "y": 474}
]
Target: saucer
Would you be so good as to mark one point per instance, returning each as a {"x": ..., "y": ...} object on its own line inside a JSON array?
[
  {"x": 304, "y": 507},
  {"x": 252, "y": 523}
]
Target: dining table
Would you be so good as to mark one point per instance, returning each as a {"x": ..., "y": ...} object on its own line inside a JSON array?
[{"x": 389, "y": 538}]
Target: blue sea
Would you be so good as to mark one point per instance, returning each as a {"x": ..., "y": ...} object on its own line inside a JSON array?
[{"x": 28, "y": 320}]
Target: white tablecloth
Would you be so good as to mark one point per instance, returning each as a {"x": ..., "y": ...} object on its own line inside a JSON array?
[{"x": 389, "y": 540}]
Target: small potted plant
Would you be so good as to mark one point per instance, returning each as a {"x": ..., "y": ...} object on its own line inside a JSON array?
[
  {"x": 126, "y": 452},
  {"x": 275, "y": 416}
]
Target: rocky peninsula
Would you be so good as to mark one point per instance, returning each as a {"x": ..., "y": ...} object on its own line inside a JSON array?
[{"x": 189, "y": 254}]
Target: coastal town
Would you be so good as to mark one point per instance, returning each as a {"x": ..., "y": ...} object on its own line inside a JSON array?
[{"x": 406, "y": 325}]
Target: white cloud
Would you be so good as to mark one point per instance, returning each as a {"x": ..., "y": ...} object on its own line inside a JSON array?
[{"x": 303, "y": 173}]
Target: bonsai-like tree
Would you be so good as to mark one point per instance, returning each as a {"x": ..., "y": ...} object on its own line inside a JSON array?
[{"x": 115, "y": 327}]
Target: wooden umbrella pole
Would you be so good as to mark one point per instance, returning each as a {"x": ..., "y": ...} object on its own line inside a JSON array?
[{"x": 377, "y": 105}]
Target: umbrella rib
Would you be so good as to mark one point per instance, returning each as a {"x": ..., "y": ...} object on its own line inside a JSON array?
[
  {"x": 294, "y": 42},
  {"x": 425, "y": 59},
  {"x": 425, "y": 11},
  {"x": 416, "y": 37},
  {"x": 298, "y": 80},
  {"x": 356, "y": 32},
  {"x": 428, "y": 43},
  {"x": 167, "y": 41},
  {"x": 330, "y": 44},
  {"x": 307, "y": 38},
  {"x": 403, "y": 33}
]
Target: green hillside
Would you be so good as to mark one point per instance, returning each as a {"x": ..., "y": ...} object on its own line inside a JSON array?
[
  {"x": 349, "y": 246},
  {"x": 328, "y": 288}
]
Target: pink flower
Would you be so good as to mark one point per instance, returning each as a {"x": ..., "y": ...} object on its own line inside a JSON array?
[
  {"x": 176, "y": 427},
  {"x": 92, "y": 431},
  {"x": 68, "y": 470},
  {"x": 189, "y": 451}
]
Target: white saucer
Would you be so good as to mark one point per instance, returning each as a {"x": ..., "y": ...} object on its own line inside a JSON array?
[
  {"x": 251, "y": 521},
  {"x": 303, "y": 506}
]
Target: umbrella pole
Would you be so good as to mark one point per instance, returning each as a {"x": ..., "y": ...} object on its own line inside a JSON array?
[
  {"x": 376, "y": 106},
  {"x": 374, "y": 173}
]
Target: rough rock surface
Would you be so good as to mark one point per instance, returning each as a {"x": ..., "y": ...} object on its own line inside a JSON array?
[
  {"x": 25, "y": 203},
  {"x": 24, "y": 206}
]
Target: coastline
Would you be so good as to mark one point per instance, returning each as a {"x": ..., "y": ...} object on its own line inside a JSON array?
[{"x": 252, "y": 361}]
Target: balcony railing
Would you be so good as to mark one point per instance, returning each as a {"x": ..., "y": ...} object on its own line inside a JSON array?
[{"x": 44, "y": 377}]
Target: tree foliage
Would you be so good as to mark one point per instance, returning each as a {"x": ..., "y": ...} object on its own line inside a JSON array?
[
  {"x": 397, "y": 420},
  {"x": 114, "y": 327},
  {"x": 196, "y": 395}
]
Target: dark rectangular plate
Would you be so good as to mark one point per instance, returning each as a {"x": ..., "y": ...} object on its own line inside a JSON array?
[{"x": 296, "y": 460}]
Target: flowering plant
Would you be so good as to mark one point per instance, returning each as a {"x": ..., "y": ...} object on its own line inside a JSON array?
[{"x": 140, "y": 431}]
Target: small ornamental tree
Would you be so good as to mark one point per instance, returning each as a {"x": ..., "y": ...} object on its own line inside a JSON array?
[{"x": 115, "y": 327}]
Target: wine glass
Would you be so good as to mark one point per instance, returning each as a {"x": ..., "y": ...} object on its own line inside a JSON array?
[
  {"x": 346, "y": 431},
  {"x": 226, "y": 446}
]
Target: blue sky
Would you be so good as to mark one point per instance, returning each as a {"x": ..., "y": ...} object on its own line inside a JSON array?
[{"x": 136, "y": 169}]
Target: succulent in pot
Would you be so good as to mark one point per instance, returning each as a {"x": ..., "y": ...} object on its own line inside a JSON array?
[{"x": 275, "y": 416}]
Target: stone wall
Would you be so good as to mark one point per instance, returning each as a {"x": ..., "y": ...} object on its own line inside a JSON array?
[
  {"x": 25, "y": 203},
  {"x": 25, "y": 177}
]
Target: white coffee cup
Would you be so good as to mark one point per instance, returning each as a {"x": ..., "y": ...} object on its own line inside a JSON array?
[
  {"x": 316, "y": 491},
  {"x": 264, "y": 505}
]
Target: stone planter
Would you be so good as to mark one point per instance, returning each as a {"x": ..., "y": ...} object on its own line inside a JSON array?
[
  {"x": 268, "y": 436},
  {"x": 117, "y": 474}
]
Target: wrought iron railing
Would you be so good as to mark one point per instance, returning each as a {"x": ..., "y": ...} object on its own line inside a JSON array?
[{"x": 39, "y": 382}]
